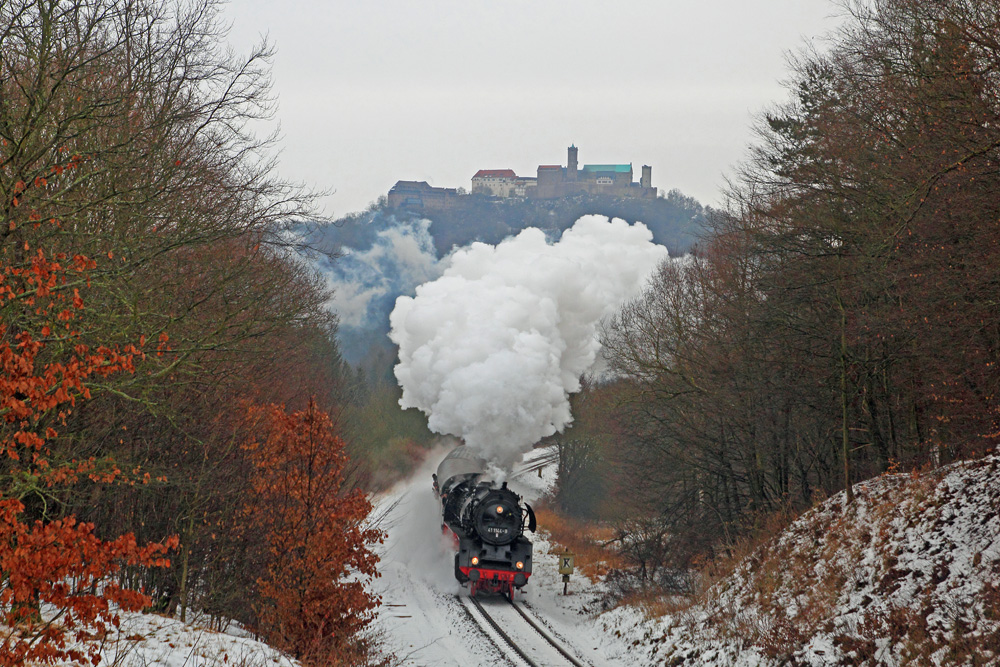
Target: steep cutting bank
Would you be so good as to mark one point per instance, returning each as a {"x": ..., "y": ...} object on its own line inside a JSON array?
[{"x": 907, "y": 574}]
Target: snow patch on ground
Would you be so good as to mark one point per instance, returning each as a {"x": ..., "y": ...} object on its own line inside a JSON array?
[
  {"x": 909, "y": 574},
  {"x": 144, "y": 640}
]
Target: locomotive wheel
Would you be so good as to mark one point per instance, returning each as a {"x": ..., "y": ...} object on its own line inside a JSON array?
[{"x": 462, "y": 579}]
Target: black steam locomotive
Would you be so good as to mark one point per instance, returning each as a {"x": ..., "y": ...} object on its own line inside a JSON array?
[{"x": 488, "y": 521}]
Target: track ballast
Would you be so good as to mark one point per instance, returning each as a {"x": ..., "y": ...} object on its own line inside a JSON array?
[{"x": 529, "y": 641}]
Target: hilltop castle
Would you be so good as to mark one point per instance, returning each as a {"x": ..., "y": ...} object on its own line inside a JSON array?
[{"x": 551, "y": 182}]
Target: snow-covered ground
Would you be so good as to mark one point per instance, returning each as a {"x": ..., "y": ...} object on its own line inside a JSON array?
[
  {"x": 907, "y": 575},
  {"x": 145, "y": 640},
  {"x": 421, "y": 620}
]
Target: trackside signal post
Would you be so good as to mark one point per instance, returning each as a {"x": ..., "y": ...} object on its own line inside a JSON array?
[{"x": 565, "y": 568}]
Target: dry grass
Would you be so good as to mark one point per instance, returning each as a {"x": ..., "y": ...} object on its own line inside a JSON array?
[
  {"x": 713, "y": 573},
  {"x": 813, "y": 566},
  {"x": 771, "y": 567},
  {"x": 848, "y": 573},
  {"x": 585, "y": 539}
]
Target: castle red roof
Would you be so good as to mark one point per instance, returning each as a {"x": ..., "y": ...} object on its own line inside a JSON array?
[{"x": 495, "y": 173}]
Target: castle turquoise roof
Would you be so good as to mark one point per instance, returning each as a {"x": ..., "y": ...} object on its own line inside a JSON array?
[{"x": 617, "y": 168}]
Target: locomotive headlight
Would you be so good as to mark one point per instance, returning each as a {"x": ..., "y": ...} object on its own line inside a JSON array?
[
  {"x": 519, "y": 565},
  {"x": 499, "y": 509},
  {"x": 475, "y": 560}
]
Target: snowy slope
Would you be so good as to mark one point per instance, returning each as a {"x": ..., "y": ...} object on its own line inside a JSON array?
[
  {"x": 909, "y": 574},
  {"x": 144, "y": 640}
]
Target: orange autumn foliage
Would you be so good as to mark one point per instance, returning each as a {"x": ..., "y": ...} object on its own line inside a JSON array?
[
  {"x": 31, "y": 390},
  {"x": 314, "y": 596},
  {"x": 60, "y": 564}
]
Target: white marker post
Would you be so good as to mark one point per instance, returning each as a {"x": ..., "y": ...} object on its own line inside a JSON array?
[{"x": 565, "y": 568}]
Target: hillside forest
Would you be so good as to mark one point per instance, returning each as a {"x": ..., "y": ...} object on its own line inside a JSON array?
[
  {"x": 382, "y": 253},
  {"x": 175, "y": 411},
  {"x": 840, "y": 322}
]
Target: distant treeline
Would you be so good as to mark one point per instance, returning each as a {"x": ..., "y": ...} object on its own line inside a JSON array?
[
  {"x": 384, "y": 252},
  {"x": 676, "y": 220}
]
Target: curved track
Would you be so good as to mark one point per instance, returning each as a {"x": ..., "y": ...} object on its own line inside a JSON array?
[{"x": 532, "y": 644}]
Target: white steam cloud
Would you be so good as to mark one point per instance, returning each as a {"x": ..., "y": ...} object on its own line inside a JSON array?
[
  {"x": 399, "y": 259},
  {"x": 492, "y": 349}
]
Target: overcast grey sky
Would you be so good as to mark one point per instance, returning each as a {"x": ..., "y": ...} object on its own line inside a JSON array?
[{"x": 371, "y": 92}]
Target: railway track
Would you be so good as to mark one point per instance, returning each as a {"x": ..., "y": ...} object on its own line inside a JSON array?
[{"x": 519, "y": 632}]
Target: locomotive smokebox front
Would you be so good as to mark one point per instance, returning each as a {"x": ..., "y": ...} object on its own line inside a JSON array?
[{"x": 497, "y": 517}]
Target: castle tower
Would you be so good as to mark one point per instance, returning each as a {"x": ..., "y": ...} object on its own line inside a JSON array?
[
  {"x": 571, "y": 164},
  {"x": 647, "y": 176}
]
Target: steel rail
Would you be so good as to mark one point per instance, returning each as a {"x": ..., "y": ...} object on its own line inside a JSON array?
[
  {"x": 552, "y": 642},
  {"x": 503, "y": 635}
]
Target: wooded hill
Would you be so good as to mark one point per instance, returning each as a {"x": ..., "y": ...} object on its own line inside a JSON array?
[
  {"x": 841, "y": 321},
  {"x": 677, "y": 221}
]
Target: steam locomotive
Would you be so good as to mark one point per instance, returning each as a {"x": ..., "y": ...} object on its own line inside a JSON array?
[{"x": 488, "y": 521}]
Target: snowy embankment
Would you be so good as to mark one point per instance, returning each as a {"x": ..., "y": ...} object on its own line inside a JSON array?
[
  {"x": 908, "y": 574},
  {"x": 144, "y": 640}
]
